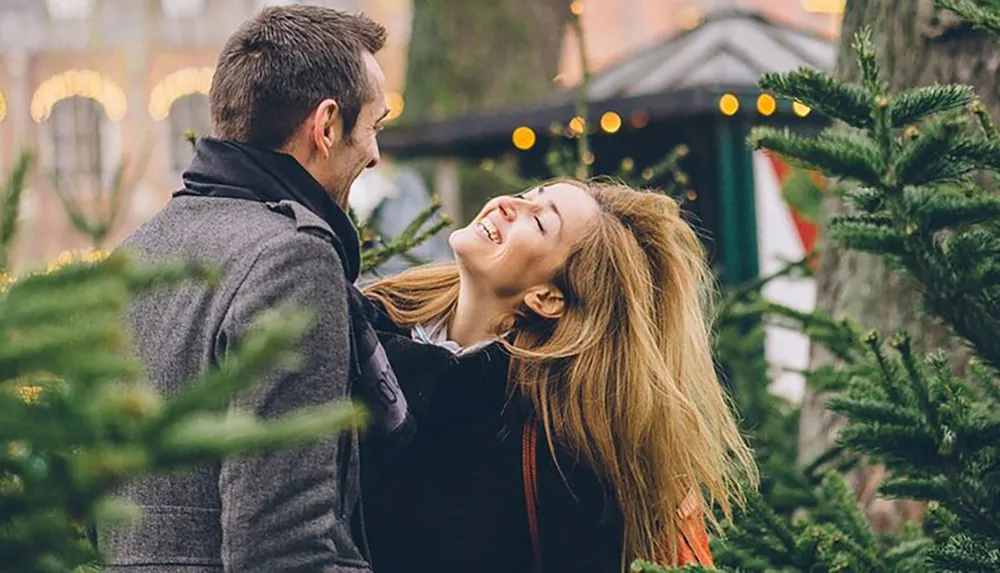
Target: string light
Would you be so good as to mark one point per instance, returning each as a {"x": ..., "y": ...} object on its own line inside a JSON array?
[
  {"x": 729, "y": 104},
  {"x": 487, "y": 164},
  {"x": 800, "y": 109},
  {"x": 396, "y": 105},
  {"x": 766, "y": 104},
  {"x": 176, "y": 85},
  {"x": 628, "y": 164},
  {"x": 524, "y": 138},
  {"x": 589, "y": 158},
  {"x": 611, "y": 122},
  {"x": 577, "y": 125},
  {"x": 691, "y": 195},
  {"x": 78, "y": 83},
  {"x": 3, "y": 107},
  {"x": 639, "y": 119},
  {"x": 576, "y": 8}
]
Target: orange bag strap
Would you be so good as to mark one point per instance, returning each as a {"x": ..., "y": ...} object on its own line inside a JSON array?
[
  {"x": 694, "y": 537},
  {"x": 529, "y": 470},
  {"x": 693, "y": 547}
]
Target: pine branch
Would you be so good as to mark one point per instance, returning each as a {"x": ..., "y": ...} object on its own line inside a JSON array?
[
  {"x": 929, "y": 159},
  {"x": 944, "y": 209},
  {"x": 823, "y": 93},
  {"x": 981, "y": 15},
  {"x": 966, "y": 553},
  {"x": 833, "y": 153},
  {"x": 912, "y": 106},
  {"x": 10, "y": 207},
  {"x": 417, "y": 232}
]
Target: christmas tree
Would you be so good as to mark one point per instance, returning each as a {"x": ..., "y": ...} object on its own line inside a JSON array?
[{"x": 915, "y": 161}]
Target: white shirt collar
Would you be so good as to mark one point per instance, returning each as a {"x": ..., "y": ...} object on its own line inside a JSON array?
[{"x": 436, "y": 333}]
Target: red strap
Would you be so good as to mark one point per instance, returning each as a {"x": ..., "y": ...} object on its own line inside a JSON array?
[{"x": 529, "y": 442}]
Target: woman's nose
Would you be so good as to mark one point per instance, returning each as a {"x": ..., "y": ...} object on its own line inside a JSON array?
[{"x": 509, "y": 207}]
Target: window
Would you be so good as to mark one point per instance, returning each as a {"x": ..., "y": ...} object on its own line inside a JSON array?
[
  {"x": 188, "y": 113},
  {"x": 183, "y": 9},
  {"x": 69, "y": 9},
  {"x": 75, "y": 128}
]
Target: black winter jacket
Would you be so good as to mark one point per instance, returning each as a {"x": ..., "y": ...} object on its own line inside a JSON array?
[{"x": 454, "y": 502}]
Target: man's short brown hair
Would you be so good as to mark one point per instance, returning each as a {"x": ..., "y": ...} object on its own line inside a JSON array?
[{"x": 276, "y": 68}]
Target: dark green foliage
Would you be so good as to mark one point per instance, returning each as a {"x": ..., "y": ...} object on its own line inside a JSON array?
[
  {"x": 911, "y": 162},
  {"x": 983, "y": 14},
  {"x": 10, "y": 207}
]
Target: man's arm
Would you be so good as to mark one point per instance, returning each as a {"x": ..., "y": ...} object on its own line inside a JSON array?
[{"x": 290, "y": 510}]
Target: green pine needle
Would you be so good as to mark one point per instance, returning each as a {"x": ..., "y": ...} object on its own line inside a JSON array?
[
  {"x": 912, "y": 106},
  {"x": 823, "y": 93},
  {"x": 834, "y": 153},
  {"x": 983, "y": 16},
  {"x": 10, "y": 205}
]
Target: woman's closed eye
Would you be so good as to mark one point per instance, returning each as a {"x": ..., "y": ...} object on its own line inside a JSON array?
[{"x": 538, "y": 222}]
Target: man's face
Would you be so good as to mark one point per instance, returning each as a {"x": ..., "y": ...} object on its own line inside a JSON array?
[{"x": 351, "y": 155}]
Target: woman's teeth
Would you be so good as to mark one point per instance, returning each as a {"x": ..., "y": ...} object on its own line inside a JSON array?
[{"x": 491, "y": 231}]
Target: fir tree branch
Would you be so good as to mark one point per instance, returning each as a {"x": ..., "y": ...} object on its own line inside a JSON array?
[
  {"x": 833, "y": 153},
  {"x": 864, "y": 47},
  {"x": 913, "y": 105},
  {"x": 10, "y": 206},
  {"x": 862, "y": 235},
  {"x": 928, "y": 158},
  {"x": 823, "y": 93},
  {"x": 942, "y": 209},
  {"x": 982, "y": 16}
]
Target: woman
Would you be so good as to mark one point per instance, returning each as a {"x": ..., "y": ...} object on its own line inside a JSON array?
[{"x": 569, "y": 414}]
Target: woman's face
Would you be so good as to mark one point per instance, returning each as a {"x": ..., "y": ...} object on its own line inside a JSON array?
[{"x": 519, "y": 242}]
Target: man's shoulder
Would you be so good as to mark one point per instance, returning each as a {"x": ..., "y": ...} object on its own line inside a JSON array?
[{"x": 215, "y": 227}]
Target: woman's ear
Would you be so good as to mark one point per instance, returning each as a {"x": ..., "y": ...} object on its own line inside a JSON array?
[{"x": 545, "y": 301}]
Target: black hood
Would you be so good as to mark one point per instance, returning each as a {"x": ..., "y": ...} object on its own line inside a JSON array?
[{"x": 223, "y": 168}]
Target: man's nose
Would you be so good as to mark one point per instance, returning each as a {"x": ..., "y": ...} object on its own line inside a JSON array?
[{"x": 375, "y": 159}]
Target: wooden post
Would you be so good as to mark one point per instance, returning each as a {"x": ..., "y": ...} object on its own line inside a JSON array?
[{"x": 447, "y": 187}]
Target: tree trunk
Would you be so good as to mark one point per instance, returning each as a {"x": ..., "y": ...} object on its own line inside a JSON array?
[
  {"x": 476, "y": 55},
  {"x": 479, "y": 55},
  {"x": 917, "y": 45}
]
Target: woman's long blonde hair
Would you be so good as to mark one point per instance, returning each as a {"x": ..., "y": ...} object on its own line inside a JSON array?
[{"x": 624, "y": 379}]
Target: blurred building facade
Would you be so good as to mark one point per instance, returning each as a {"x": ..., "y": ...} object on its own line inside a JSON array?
[
  {"x": 616, "y": 28},
  {"x": 93, "y": 83}
]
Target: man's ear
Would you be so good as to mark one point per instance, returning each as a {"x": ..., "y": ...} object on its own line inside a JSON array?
[
  {"x": 546, "y": 301},
  {"x": 328, "y": 126}
]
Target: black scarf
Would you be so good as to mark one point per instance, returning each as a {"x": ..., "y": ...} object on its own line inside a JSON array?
[{"x": 223, "y": 168}]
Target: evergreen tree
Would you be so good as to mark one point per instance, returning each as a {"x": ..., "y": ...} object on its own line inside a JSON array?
[{"x": 915, "y": 157}]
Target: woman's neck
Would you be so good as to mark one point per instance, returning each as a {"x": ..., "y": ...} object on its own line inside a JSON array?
[{"x": 473, "y": 315}]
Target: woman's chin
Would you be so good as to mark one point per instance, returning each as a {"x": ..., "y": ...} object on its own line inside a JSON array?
[{"x": 467, "y": 242}]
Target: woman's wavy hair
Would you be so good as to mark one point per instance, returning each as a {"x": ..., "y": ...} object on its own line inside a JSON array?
[{"x": 624, "y": 379}]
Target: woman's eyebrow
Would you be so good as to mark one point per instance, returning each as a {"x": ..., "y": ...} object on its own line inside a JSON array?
[{"x": 552, "y": 205}]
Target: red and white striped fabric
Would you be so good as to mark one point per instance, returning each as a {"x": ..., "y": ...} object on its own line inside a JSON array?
[{"x": 782, "y": 236}]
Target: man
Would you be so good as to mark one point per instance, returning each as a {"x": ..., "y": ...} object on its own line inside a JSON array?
[{"x": 297, "y": 100}]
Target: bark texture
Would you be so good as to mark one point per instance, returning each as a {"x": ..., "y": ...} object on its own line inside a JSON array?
[
  {"x": 918, "y": 45},
  {"x": 475, "y": 55}
]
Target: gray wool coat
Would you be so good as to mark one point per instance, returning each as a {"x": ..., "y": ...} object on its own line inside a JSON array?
[{"x": 295, "y": 510}]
